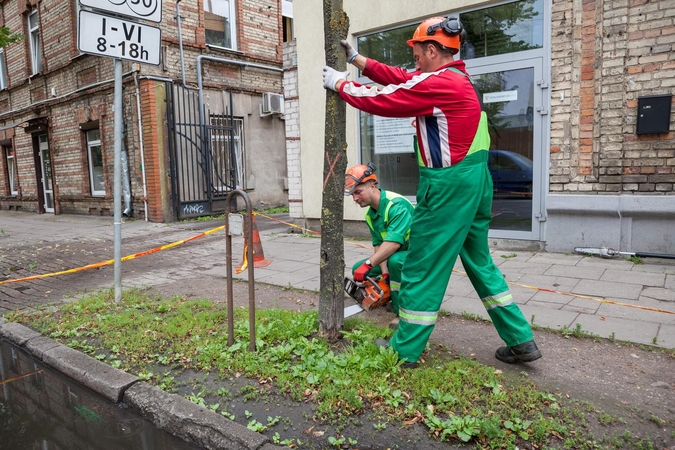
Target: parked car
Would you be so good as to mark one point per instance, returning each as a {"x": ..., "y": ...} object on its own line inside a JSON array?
[{"x": 511, "y": 173}]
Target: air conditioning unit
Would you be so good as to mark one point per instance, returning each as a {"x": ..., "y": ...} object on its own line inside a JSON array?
[{"x": 272, "y": 104}]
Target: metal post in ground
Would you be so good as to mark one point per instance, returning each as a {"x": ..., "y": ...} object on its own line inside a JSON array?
[
  {"x": 117, "y": 182},
  {"x": 248, "y": 251}
]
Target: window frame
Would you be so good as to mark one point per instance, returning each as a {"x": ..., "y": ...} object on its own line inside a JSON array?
[
  {"x": 12, "y": 171},
  {"x": 34, "y": 41},
  {"x": 233, "y": 24},
  {"x": 91, "y": 143}
]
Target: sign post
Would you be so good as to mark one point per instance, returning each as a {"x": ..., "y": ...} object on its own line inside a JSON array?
[{"x": 120, "y": 38}]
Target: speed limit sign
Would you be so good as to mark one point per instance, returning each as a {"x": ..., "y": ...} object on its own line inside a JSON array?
[{"x": 138, "y": 9}]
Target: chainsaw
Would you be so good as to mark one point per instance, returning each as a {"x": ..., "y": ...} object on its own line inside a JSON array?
[{"x": 370, "y": 294}]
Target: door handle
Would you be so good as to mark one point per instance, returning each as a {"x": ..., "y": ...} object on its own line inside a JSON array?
[{"x": 542, "y": 111}]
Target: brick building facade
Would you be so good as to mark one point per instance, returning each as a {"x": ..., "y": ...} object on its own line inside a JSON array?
[{"x": 56, "y": 108}]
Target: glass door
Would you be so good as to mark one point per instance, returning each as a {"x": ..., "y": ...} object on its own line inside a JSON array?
[
  {"x": 511, "y": 93},
  {"x": 47, "y": 178}
]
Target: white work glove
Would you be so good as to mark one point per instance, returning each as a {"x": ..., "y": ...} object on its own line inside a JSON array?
[
  {"x": 332, "y": 76},
  {"x": 349, "y": 50}
]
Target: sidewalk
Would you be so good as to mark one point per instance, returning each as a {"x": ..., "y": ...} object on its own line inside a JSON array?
[{"x": 296, "y": 263}]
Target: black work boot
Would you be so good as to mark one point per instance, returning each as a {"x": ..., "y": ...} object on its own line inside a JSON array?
[
  {"x": 526, "y": 352},
  {"x": 385, "y": 343}
]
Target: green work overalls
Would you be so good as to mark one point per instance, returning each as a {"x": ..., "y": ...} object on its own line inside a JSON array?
[
  {"x": 393, "y": 225},
  {"x": 452, "y": 217}
]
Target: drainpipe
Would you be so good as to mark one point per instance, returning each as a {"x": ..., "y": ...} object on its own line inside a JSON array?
[
  {"x": 126, "y": 181},
  {"x": 227, "y": 61},
  {"x": 180, "y": 42},
  {"x": 141, "y": 146}
]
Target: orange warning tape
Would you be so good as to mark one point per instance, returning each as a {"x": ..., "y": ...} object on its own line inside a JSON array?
[
  {"x": 587, "y": 297},
  {"x": 174, "y": 244},
  {"x": 318, "y": 233},
  {"x": 112, "y": 261}
]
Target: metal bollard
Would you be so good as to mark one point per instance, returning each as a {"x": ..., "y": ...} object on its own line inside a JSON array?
[{"x": 248, "y": 230}]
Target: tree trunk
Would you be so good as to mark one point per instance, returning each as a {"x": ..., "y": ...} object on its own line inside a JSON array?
[{"x": 331, "y": 299}]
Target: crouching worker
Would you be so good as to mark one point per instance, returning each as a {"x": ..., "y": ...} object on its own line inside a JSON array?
[{"x": 389, "y": 216}]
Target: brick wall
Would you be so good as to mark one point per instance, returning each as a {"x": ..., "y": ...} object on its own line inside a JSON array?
[
  {"x": 73, "y": 86},
  {"x": 292, "y": 118},
  {"x": 606, "y": 54}
]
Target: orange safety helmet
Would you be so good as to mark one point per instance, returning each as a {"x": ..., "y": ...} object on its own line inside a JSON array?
[
  {"x": 357, "y": 175},
  {"x": 446, "y": 31}
]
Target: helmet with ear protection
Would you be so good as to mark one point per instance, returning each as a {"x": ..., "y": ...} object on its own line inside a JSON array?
[
  {"x": 446, "y": 31},
  {"x": 357, "y": 175}
]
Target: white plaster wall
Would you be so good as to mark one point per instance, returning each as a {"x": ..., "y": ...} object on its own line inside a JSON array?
[{"x": 364, "y": 16}]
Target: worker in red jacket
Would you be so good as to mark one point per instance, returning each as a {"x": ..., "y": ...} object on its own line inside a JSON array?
[{"x": 454, "y": 195}]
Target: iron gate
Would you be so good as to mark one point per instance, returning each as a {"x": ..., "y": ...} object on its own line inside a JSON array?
[{"x": 202, "y": 156}]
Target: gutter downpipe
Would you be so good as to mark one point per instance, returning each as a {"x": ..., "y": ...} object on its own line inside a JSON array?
[
  {"x": 180, "y": 42},
  {"x": 227, "y": 61},
  {"x": 141, "y": 146}
]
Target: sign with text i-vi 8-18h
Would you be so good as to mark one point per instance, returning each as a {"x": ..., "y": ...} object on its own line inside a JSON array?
[{"x": 125, "y": 39}]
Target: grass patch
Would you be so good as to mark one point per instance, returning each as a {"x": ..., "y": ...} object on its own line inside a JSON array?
[{"x": 450, "y": 397}]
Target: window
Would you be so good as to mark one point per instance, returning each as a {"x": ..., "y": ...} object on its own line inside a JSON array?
[
  {"x": 388, "y": 142},
  {"x": 3, "y": 70},
  {"x": 96, "y": 176},
  {"x": 502, "y": 29},
  {"x": 220, "y": 23},
  {"x": 34, "y": 32},
  {"x": 227, "y": 160},
  {"x": 11, "y": 170}
]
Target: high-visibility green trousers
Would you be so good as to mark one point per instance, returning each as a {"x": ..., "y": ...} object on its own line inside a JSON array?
[
  {"x": 395, "y": 265},
  {"x": 452, "y": 217}
]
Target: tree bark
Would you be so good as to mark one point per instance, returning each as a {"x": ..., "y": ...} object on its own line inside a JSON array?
[{"x": 332, "y": 264}]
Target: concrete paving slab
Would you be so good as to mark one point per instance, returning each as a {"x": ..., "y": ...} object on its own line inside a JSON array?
[
  {"x": 460, "y": 305},
  {"x": 632, "y": 277},
  {"x": 670, "y": 282},
  {"x": 620, "y": 329},
  {"x": 555, "y": 258},
  {"x": 460, "y": 286},
  {"x": 280, "y": 278},
  {"x": 555, "y": 300},
  {"x": 667, "y": 296},
  {"x": 92, "y": 373},
  {"x": 564, "y": 284},
  {"x": 518, "y": 266},
  {"x": 585, "y": 273},
  {"x": 582, "y": 305},
  {"x": 606, "y": 263},
  {"x": 544, "y": 318},
  {"x": 312, "y": 284},
  {"x": 608, "y": 289},
  {"x": 666, "y": 336},
  {"x": 630, "y": 313},
  {"x": 649, "y": 266},
  {"x": 521, "y": 294}
]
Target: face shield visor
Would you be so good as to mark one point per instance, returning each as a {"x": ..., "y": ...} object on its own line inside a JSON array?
[{"x": 350, "y": 184}]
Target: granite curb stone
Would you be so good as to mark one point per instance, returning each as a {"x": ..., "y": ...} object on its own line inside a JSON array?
[
  {"x": 101, "y": 378},
  {"x": 41, "y": 344},
  {"x": 17, "y": 333},
  {"x": 192, "y": 422}
]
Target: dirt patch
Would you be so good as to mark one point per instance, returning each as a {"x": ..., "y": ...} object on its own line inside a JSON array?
[{"x": 632, "y": 387}]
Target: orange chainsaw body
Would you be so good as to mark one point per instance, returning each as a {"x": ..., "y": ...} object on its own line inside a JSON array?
[{"x": 370, "y": 293}]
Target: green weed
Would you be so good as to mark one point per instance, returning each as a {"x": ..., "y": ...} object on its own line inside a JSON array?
[{"x": 455, "y": 397}]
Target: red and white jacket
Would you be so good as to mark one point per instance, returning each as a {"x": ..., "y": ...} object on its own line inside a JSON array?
[{"x": 444, "y": 103}]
